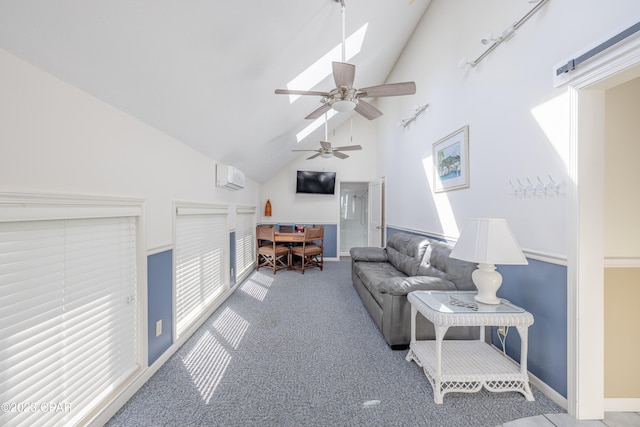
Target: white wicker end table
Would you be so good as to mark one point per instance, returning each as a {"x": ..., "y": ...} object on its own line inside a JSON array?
[{"x": 468, "y": 365}]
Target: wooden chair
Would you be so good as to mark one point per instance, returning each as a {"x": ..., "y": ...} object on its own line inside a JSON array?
[
  {"x": 269, "y": 253},
  {"x": 311, "y": 250},
  {"x": 286, "y": 229}
]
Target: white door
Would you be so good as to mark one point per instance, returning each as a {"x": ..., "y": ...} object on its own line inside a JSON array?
[{"x": 376, "y": 221}]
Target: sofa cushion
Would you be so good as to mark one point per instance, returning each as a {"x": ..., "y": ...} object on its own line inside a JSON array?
[
  {"x": 403, "y": 285},
  {"x": 368, "y": 254},
  {"x": 373, "y": 273},
  {"x": 406, "y": 251},
  {"x": 438, "y": 263}
]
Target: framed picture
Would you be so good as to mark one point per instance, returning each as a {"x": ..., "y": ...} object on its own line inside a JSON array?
[{"x": 451, "y": 161}]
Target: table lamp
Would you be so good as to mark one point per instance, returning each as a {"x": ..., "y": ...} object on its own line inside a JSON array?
[{"x": 488, "y": 241}]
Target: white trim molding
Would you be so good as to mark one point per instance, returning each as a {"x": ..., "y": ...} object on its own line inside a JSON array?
[
  {"x": 622, "y": 262},
  {"x": 543, "y": 256},
  {"x": 622, "y": 404}
]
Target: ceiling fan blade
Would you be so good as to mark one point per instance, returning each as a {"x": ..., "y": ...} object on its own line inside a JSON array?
[
  {"x": 348, "y": 148},
  {"x": 340, "y": 155},
  {"x": 325, "y": 145},
  {"x": 313, "y": 157},
  {"x": 319, "y": 112},
  {"x": 391, "y": 89},
  {"x": 344, "y": 74},
  {"x": 300, "y": 92},
  {"x": 308, "y": 150},
  {"x": 367, "y": 110}
]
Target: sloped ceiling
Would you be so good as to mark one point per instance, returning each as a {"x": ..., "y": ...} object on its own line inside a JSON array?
[{"x": 205, "y": 71}]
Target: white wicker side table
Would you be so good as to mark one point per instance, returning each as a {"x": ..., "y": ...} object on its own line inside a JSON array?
[{"x": 468, "y": 365}]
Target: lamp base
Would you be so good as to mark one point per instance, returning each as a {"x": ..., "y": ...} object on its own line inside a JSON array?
[{"x": 488, "y": 281}]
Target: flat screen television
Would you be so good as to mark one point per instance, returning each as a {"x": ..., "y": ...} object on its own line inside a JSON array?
[{"x": 310, "y": 182}]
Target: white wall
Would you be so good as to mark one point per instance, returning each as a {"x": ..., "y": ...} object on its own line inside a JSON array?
[
  {"x": 518, "y": 121},
  {"x": 56, "y": 138},
  {"x": 290, "y": 207}
]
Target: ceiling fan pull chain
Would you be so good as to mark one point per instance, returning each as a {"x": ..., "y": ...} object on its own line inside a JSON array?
[{"x": 326, "y": 127}]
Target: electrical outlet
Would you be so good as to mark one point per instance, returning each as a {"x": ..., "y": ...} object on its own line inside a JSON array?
[
  {"x": 159, "y": 328},
  {"x": 502, "y": 330}
]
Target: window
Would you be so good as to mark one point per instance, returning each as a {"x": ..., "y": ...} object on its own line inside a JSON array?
[
  {"x": 245, "y": 240},
  {"x": 68, "y": 309},
  {"x": 201, "y": 244}
]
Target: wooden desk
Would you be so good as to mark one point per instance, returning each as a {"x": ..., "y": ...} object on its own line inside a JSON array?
[{"x": 289, "y": 237}]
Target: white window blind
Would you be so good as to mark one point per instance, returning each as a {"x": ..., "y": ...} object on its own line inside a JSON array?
[
  {"x": 201, "y": 239},
  {"x": 245, "y": 240},
  {"x": 67, "y": 316}
]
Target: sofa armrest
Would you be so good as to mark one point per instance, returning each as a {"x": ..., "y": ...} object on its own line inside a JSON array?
[
  {"x": 369, "y": 254},
  {"x": 404, "y": 285}
]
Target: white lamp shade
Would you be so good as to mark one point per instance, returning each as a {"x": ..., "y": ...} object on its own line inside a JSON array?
[{"x": 488, "y": 241}]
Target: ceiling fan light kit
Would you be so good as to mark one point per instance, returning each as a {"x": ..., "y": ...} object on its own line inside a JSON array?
[{"x": 343, "y": 105}]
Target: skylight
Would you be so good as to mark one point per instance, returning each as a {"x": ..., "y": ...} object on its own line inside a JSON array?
[{"x": 320, "y": 69}]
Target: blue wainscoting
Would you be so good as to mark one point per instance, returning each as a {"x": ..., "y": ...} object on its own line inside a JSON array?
[
  {"x": 541, "y": 289},
  {"x": 159, "y": 302},
  {"x": 330, "y": 240}
]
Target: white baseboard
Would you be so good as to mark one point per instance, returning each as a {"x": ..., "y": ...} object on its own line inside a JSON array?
[
  {"x": 622, "y": 404},
  {"x": 548, "y": 391}
]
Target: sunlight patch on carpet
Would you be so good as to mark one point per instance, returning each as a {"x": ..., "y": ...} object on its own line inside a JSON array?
[
  {"x": 231, "y": 326},
  {"x": 257, "y": 286},
  {"x": 206, "y": 363}
]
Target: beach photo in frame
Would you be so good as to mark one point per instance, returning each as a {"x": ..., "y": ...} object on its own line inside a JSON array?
[{"x": 451, "y": 161}]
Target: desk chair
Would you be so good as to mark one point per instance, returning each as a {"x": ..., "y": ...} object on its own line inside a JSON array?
[
  {"x": 311, "y": 250},
  {"x": 269, "y": 254}
]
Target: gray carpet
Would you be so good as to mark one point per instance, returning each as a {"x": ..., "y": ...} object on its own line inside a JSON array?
[{"x": 294, "y": 350}]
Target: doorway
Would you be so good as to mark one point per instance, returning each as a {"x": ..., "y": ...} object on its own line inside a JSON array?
[
  {"x": 587, "y": 86},
  {"x": 354, "y": 215}
]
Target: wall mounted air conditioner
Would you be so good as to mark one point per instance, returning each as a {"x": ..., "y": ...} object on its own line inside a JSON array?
[{"x": 229, "y": 177}]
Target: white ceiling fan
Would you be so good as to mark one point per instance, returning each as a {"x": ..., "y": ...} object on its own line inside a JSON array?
[
  {"x": 344, "y": 97},
  {"x": 326, "y": 151}
]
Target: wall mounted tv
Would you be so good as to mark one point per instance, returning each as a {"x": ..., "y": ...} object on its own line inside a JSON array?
[{"x": 309, "y": 182}]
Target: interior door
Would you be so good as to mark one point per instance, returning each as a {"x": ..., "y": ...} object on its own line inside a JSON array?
[{"x": 376, "y": 220}]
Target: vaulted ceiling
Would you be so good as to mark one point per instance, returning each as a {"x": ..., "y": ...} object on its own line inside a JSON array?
[{"x": 205, "y": 71}]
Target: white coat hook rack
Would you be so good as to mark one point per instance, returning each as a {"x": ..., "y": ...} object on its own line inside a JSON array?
[
  {"x": 552, "y": 187},
  {"x": 406, "y": 121},
  {"x": 536, "y": 188}
]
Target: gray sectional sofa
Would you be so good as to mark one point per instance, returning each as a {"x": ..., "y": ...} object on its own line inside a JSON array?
[{"x": 384, "y": 276}]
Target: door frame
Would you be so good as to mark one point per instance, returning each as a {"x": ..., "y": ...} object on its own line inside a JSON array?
[
  {"x": 585, "y": 272},
  {"x": 339, "y": 222},
  {"x": 380, "y": 181}
]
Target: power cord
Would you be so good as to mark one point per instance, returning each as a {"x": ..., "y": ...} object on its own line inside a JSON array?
[{"x": 502, "y": 337}]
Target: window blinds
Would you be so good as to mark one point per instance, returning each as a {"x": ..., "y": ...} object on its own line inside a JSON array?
[
  {"x": 201, "y": 237},
  {"x": 67, "y": 316},
  {"x": 245, "y": 240}
]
